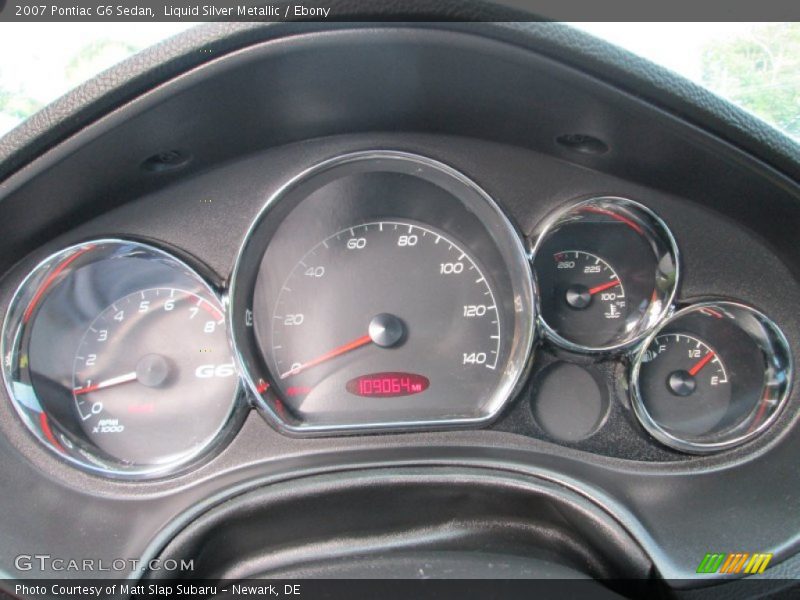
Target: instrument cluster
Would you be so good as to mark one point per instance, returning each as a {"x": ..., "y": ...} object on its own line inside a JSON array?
[{"x": 376, "y": 291}]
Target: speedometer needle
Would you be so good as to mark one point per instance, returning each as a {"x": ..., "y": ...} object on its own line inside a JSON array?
[
  {"x": 603, "y": 286},
  {"x": 356, "y": 343},
  {"x": 127, "y": 377}
]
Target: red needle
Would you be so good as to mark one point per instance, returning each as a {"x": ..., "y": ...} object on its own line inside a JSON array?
[
  {"x": 603, "y": 286},
  {"x": 128, "y": 377},
  {"x": 701, "y": 363},
  {"x": 357, "y": 343}
]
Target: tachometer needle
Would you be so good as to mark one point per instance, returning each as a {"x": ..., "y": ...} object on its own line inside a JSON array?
[
  {"x": 356, "y": 343},
  {"x": 701, "y": 363},
  {"x": 603, "y": 286},
  {"x": 127, "y": 377}
]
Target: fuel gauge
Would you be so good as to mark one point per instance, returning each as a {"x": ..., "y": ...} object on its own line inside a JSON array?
[
  {"x": 713, "y": 376},
  {"x": 686, "y": 383}
]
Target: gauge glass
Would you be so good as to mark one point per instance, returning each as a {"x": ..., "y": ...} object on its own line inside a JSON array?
[
  {"x": 713, "y": 376},
  {"x": 117, "y": 359},
  {"x": 607, "y": 270},
  {"x": 409, "y": 305}
]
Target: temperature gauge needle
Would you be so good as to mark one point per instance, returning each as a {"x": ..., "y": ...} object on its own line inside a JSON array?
[
  {"x": 356, "y": 343},
  {"x": 127, "y": 377},
  {"x": 603, "y": 286},
  {"x": 701, "y": 363}
]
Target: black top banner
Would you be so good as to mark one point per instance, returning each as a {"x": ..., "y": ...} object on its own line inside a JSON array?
[{"x": 391, "y": 10}]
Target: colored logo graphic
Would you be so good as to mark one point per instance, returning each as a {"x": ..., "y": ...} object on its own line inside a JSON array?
[{"x": 735, "y": 562}]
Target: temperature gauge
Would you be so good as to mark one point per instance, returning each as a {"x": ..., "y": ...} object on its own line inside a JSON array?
[
  {"x": 714, "y": 376},
  {"x": 586, "y": 295},
  {"x": 607, "y": 270}
]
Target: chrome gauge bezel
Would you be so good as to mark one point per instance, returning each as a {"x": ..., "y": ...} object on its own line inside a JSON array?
[
  {"x": 525, "y": 332},
  {"x": 655, "y": 314},
  {"x": 70, "y": 450},
  {"x": 770, "y": 340}
]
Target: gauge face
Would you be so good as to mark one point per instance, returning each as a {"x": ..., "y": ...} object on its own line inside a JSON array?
[
  {"x": 407, "y": 297},
  {"x": 587, "y": 298},
  {"x": 685, "y": 383},
  {"x": 409, "y": 305},
  {"x": 713, "y": 376},
  {"x": 117, "y": 359},
  {"x": 136, "y": 366},
  {"x": 607, "y": 270}
]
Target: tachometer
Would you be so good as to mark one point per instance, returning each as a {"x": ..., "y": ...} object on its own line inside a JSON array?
[
  {"x": 138, "y": 364},
  {"x": 409, "y": 304},
  {"x": 117, "y": 359}
]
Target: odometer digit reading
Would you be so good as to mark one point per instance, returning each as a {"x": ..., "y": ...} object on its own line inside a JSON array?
[{"x": 387, "y": 385}]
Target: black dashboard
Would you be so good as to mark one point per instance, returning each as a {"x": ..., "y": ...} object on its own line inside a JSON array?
[{"x": 315, "y": 270}]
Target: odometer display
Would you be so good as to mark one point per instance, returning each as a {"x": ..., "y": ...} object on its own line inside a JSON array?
[{"x": 387, "y": 385}]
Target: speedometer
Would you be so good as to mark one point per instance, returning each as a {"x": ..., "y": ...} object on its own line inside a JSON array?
[
  {"x": 408, "y": 305},
  {"x": 408, "y": 299}
]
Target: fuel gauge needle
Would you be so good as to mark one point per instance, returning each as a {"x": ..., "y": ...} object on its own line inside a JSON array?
[
  {"x": 127, "y": 377},
  {"x": 701, "y": 363}
]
